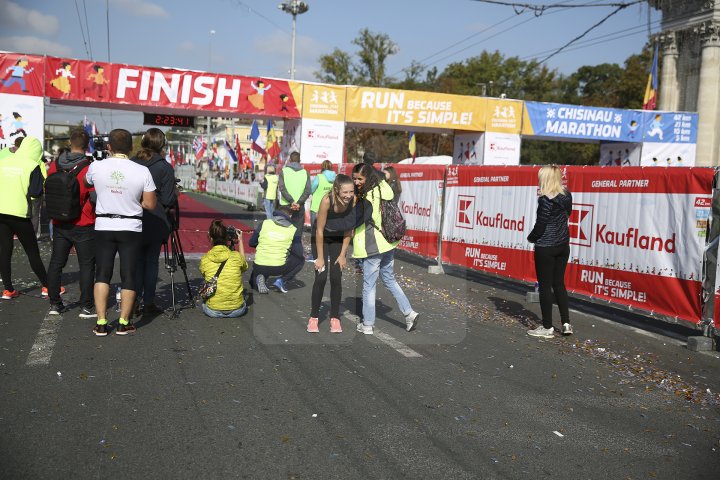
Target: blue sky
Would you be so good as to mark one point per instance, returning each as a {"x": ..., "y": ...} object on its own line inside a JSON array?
[{"x": 253, "y": 37}]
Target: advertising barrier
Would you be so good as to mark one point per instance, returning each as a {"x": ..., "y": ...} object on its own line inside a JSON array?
[{"x": 637, "y": 234}]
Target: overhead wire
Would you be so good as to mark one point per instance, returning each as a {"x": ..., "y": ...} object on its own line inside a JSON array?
[
  {"x": 82, "y": 29},
  {"x": 87, "y": 27}
]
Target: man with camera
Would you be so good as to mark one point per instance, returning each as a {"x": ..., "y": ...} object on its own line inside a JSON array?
[
  {"x": 223, "y": 266},
  {"x": 124, "y": 188}
]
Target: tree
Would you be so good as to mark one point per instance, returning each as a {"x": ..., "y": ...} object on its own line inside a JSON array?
[
  {"x": 375, "y": 48},
  {"x": 336, "y": 68}
]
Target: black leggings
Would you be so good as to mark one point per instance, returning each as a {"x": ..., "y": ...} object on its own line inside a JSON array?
[
  {"x": 22, "y": 227},
  {"x": 331, "y": 249},
  {"x": 107, "y": 244},
  {"x": 550, "y": 263}
]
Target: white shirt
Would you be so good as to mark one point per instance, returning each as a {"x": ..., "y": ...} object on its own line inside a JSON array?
[{"x": 119, "y": 184}]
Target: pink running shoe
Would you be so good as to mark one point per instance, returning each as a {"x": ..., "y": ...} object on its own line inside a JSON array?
[
  {"x": 335, "y": 325},
  {"x": 313, "y": 325}
]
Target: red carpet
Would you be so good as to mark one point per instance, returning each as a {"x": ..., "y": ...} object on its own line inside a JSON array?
[{"x": 195, "y": 218}]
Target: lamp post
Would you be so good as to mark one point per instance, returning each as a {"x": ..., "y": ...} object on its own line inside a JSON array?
[
  {"x": 294, "y": 8},
  {"x": 212, "y": 32}
]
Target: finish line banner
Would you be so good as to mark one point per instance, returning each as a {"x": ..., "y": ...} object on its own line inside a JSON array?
[{"x": 637, "y": 234}]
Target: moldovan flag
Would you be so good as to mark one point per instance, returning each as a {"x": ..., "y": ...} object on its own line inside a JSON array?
[
  {"x": 272, "y": 147},
  {"x": 650, "y": 101},
  {"x": 411, "y": 146},
  {"x": 257, "y": 143}
]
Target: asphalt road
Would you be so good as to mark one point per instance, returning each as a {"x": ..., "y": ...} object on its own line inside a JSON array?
[{"x": 466, "y": 395}]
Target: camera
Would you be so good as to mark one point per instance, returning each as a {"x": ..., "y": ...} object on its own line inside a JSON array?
[{"x": 233, "y": 236}]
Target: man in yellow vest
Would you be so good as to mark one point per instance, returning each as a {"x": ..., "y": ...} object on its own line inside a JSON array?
[
  {"x": 20, "y": 178},
  {"x": 294, "y": 189},
  {"x": 270, "y": 185},
  {"x": 278, "y": 251}
]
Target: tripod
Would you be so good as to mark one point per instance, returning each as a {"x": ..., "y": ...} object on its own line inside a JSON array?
[{"x": 174, "y": 257}]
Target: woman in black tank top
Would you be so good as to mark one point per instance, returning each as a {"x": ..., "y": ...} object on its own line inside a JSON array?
[{"x": 329, "y": 247}]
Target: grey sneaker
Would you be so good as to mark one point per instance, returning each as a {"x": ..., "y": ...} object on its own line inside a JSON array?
[
  {"x": 56, "y": 309},
  {"x": 411, "y": 320},
  {"x": 541, "y": 332},
  {"x": 260, "y": 282},
  {"x": 87, "y": 312},
  {"x": 567, "y": 329},
  {"x": 366, "y": 329}
]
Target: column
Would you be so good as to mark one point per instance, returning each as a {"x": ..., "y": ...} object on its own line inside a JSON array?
[
  {"x": 709, "y": 94},
  {"x": 669, "y": 99}
]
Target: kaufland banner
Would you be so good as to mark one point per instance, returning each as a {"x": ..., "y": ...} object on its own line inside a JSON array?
[
  {"x": 421, "y": 205},
  {"x": 637, "y": 234}
]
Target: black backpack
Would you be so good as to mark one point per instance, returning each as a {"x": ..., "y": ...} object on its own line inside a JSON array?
[
  {"x": 393, "y": 225},
  {"x": 62, "y": 193}
]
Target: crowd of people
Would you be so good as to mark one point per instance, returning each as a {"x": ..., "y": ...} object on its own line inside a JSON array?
[{"x": 124, "y": 206}]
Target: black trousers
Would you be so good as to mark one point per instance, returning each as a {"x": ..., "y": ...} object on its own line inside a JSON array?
[
  {"x": 331, "y": 249},
  {"x": 65, "y": 237},
  {"x": 550, "y": 264},
  {"x": 287, "y": 272},
  {"x": 22, "y": 227},
  {"x": 128, "y": 246}
]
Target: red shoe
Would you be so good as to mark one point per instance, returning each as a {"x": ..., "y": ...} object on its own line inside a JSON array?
[
  {"x": 335, "y": 325},
  {"x": 44, "y": 291},
  {"x": 10, "y": 294},
  {"x": 312, "y": 326}
]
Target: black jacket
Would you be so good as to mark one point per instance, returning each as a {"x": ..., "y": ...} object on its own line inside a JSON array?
[
  {"x": 551, "y": 225},
  {"x": 156, "y": 226}
]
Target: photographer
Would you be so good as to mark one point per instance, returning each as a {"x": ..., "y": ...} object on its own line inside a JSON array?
[{"x": 228, "y": 300}]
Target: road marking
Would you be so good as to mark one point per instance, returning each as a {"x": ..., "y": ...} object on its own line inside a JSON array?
[
  {"x": 640, "y": 331},
  {"x": 390, "y": 341},
  {"x": 41, "y": 351}
]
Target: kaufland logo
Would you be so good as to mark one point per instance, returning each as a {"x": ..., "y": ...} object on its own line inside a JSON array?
[
  {"x": 310, "y": 134},
  {"x": 465, "y": 212},
  {"x": 580, "y": 224}
]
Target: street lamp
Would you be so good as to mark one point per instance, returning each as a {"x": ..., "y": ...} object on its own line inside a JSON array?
[{"x": 294, "y": 8}]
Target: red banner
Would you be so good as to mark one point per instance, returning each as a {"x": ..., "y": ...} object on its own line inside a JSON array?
[
  {"x": 167, "y": 90},
  {"x": 21, "y": 74}
]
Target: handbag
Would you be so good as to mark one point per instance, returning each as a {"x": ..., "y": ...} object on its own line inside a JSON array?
[{"x": 210, "y": 286}]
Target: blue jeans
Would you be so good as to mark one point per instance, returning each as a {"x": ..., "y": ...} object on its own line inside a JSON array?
[
  {"x": 225, "y": 314},
  {"x": 269, "y": 208},
  {"x": 381, "y": 265}
]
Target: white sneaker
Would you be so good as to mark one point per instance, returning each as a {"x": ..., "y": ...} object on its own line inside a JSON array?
[
  {"x": 366, "y": 329},
  {"x": 567, "y": 329},
  {"x": 411, "y": 320},
  {"x": 541, "y": 332}
]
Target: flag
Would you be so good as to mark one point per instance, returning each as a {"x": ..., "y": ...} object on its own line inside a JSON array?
[
  {"x": 238, "y": 148},
  {"x": 90, "y": 129},
  {"x": 199, "y": 147},
  {"x": 230, "y": 151},
  {"x": 273, "y": 148},
  {"x": 411, "y": 146},
  {"x": 257, "y": 143},
  {"x": 650, "y": 100}
]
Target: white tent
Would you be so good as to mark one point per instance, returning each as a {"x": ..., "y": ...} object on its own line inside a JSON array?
[{"x": 437, "y": 160}]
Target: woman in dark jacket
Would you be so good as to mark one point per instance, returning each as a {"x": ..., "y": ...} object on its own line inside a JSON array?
[
  {"x": 552, "y": 249},
  {"x": 156, "y": 226}
]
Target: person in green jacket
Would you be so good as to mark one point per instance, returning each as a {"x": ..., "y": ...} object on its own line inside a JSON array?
[
  {"x": 270, "y": 185},
  {"x": 228, "y": 301},
  {"x": 377, "y": 254},
  {"x": 20, "y": 178}
]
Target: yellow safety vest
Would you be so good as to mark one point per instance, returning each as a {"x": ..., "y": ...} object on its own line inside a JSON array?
[
  {"x": 295, "y": 181},
  {"x": 273, "y": 244},
  {"x": 272, "y": 183},
  {"x": 324, "y": 186}
]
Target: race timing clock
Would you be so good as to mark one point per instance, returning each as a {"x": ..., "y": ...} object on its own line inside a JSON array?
[{"x": 168, "y": 120}]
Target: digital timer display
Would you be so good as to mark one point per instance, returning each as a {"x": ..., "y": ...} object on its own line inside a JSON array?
[{"x": 167, "y": 120}]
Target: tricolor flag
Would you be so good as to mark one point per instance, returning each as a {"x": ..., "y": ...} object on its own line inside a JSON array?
[
  {"x": 650, "y": 101},
  {"x": 272, "y": 148},
  {"x": 199, "y": 147},
  {"x": 238, "y": 148},
  {"x": 231, "y": 152},
  {"x": 258, "y": 144},
  {"x": 412, "y": 146}
]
